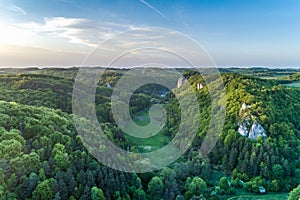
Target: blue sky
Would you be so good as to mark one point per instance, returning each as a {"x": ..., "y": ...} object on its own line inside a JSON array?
[{"x": 234, "y": 32}]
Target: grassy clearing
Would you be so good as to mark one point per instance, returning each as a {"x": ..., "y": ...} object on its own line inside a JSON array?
[
  {"x": 295, "y": 84},
  {"x": 261, "y": 197},
  {"x": 269, "y": 77},
  {"x": 142, "y": 118},
  {"x": 155, "y": 142}
]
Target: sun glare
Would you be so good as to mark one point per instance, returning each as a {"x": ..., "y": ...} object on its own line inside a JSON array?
[{"x": 10, "y": 34}]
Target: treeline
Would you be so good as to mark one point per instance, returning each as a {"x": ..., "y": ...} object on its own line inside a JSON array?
[{"x": 37, "y": 90}]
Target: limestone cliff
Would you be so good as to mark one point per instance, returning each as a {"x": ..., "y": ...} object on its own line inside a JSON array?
[{"x": 249, "y": 127}]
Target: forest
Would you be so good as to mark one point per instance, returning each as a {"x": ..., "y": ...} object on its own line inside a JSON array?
[{"x": 43, "y": 157}]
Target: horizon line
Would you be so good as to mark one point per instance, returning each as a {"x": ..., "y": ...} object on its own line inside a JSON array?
[{"x": 170, "y": 67}]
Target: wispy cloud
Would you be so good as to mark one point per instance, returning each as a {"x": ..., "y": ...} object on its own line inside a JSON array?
[
  {"x": 154, "y": 9},
  {"x": 16, "y": 9},
  {"x": 78, "y": 30},
  {"x": 137, "y": 46}
]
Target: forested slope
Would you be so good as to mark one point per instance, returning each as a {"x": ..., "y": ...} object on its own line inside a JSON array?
[{"x": 42, "y": 156}]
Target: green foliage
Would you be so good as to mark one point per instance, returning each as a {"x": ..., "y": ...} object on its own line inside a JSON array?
[
  {"x": 274, "y": 186},
  {"x": 97, "y": 194},
  {"x": 10, "y": 149},
  {"x": 277, "y": 171},
  {"x": 295, "y": 194},
  {"x": 42, "y": 157},
  {"x": 196, "y": 186},
  {"x": 139, "y": 194},
  {"x": 255, "y": 184},
  {"x": 60, "y": 156},
  {"x": 188, "y": 194},
  {"x": 43, "y": 191},
  {"x": 224, "y": 184},
  {"x": 155, "y": 188}
]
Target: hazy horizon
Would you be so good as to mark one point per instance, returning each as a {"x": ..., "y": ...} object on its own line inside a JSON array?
[{"x": 124, "y": 67}]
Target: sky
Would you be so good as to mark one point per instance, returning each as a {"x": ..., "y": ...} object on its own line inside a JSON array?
[{"x": 65, "y": 33}]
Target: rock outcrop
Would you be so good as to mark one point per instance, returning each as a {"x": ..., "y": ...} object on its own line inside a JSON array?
[
  {"x": 256, "y": 131},
  {"x": 249, "y": 127},
  {"x": 243, "y": 130},
  {"x": 181, "y": 81},
  {"x": 200, "y": 86}
]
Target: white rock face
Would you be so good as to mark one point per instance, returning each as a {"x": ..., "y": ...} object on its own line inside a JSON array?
[
  {"x": 200, "y": 86},
  {"x": 181, "y": 81},
  {"x": 243, "y": 129},
  {"x": 244, "y": 106},
  {"x": 256, "y": 131}
]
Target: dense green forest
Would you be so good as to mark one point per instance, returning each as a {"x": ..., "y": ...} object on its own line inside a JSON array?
[{"x": 43, "y": 157}]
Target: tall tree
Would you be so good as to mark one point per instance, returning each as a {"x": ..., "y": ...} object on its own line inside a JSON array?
[
  {"x": 155, "y": 188},
  {"x": 295, "y": 194},
  {"x": 97, "y": 194},
  {"x": 43, "y": 191}
]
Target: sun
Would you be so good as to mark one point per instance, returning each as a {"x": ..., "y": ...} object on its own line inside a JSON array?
[{"x": 14, "y": 35}]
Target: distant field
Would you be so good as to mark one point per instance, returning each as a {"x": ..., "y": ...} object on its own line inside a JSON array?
[
  {"x": 269, "y": 77},
  {"x": 296, "y": 84},
  {"x": 261, "y": 197}
]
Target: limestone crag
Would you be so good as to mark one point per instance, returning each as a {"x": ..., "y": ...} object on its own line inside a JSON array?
[
  {"x": 249, "y": 127},
  {"x": 256, "y": 131}
]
